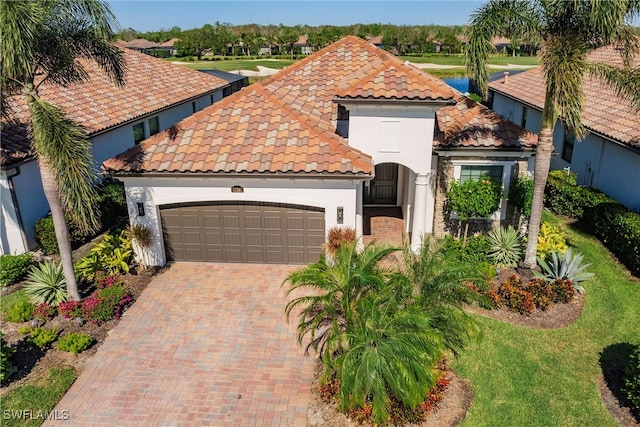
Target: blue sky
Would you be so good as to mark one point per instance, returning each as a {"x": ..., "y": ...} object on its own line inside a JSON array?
[{"x": 153, "y": 15}]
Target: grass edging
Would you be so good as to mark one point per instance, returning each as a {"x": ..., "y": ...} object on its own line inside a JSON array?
[{"x": 33, "y": 403}]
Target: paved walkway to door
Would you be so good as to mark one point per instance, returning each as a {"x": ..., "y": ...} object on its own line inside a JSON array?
[{"x": 205, "y": 345}]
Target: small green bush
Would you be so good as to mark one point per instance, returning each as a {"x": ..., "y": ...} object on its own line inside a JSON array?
[
  {"x": 632, "y": 378},
  {"x": 113, "y": 255},
  {"x": 6, "y": 368},
  {"x": 474, "y": 252},
  {"x": 112, "y": 201},
  {"x": 46, "y": 235},
  {"x": 42, "y": 337},
  {"x": 21, "y": 311},
  {"x": 550, "y": 239},
  {"x": 505, "y": 247},
  {"x": 14, "y": 267},
  {"x": 618, "y": 229},
  {"x": 75, "y": 342},
  {"x": 521, "y": 194}
]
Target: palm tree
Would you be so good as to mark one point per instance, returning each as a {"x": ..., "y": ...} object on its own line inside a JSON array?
[
  {"x": 568, "y": 31},
  {"x": 42, "y": 42},
  {"x": 336, "y": 288}
]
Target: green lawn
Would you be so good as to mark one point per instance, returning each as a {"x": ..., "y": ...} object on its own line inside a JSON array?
[
  {"x": 30, "y": 404},
  {"x": 7, "y": 301},
  {"x": 239, "y": 64},
  {"x": 522, "y": 376}
]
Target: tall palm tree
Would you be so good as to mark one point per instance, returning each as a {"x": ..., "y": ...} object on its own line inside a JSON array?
[
  {"x": 43, "y": 42},
  {"x": 568, "y": 31}
]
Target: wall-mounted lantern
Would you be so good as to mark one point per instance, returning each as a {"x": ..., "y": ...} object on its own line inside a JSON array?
[
  {"x": 237, "y": 189},
  {"x": 140, "y": 208},
  {"x": 340, "y": 215}
]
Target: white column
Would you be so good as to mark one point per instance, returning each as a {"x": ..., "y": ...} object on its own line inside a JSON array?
[
  {"x": 419, "y": 210},
  {"x": 359, "y": 215}
]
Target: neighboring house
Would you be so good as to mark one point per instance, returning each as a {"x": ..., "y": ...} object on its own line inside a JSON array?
[
  {"x": 157, "y": 95},
  {"x": 303, "y": 45},
  {"x": 236, "y": 81},
  {"x": 375, "y": 40},
  {"x": 609, "y": 156},
  {"x": 264, "y": 174},
  {"x": 165, "y": 49}
]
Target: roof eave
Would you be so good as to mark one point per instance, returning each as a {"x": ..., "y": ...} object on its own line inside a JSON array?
[
  {"x": 432, "y": 102},
  {"x": 316, "y": 175}
]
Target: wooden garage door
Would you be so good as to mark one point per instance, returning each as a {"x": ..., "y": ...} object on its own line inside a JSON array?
[{"x": 243, "y": 232}]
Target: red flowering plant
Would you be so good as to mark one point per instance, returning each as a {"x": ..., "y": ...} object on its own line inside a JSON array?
[
  {"x": 70, "y": 309},
  {"x": 44, "y": 312}
]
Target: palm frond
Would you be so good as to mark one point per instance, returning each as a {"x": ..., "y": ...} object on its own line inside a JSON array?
[
  {"x": 20, "y": 22},
  {"x": 509, "y": 18},
  {"x": 64, "y": 146}
]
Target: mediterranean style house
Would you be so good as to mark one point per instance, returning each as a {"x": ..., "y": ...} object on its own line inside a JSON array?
[
  {"x": 262, "y": 175},
  {"x": 157, "y": 94},
  {"x": 608, "y": 158}
]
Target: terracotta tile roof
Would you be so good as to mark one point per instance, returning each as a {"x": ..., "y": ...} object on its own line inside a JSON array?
[
  {"x": 170, "y": 42},
  {"x": 151, "y": 84},
  {"x": 394, "y": 82},
  {"x": 468, "y": 124},
  {"x": 604, "y": 113},
  {"x": 251, "y": 131},
  {"x": 140, "y": 44},
  {"x": 284, "y": 123}
]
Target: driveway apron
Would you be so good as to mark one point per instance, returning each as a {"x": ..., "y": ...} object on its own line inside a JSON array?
[{"x": 205, "y": 344}]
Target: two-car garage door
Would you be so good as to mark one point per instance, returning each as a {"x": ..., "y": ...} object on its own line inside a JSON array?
[{"x": 243, "y": 232}]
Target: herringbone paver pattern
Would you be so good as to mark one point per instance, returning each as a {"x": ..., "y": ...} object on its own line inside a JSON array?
[{"x": 205, "y": 345}]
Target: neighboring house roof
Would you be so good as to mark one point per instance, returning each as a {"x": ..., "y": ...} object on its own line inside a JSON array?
[
  {"x": 224, "y": 75},
  {"x": 302, "y": 41},
  {"x": 98, "y": 104},
  {"x": 140, "y": 44},
  {"x": 376, "y": 40},
  {"x": 170, "y": 42},
  {"x": 290, "y": 117},
  {"x": 604, "y": 112},
  {"x": 500, "y": 41}
]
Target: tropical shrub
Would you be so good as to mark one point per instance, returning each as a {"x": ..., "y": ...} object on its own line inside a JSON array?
[
  {"x": 44, "y": 312},
  {"x": 521, "y": 194},
  {"x": 6, "y": 368},
  {"x": 113, "y": 255},
  {"x": 475, "y": 251},
  {"x": 565, "y": 266},
  {"x": 474, "y": 198},
  {"x": 14, "y": 267},
  {"x": 543, "y": 293},
  {"x": 70, "y": 309},
  {"x": 505, "y": 246},
  {"x": 564, "y": 196},
  {"x": 21, "y": 311},
  {"x": 550, "y": 239},
  {"x": 142, "y": 236},
  {"x": 46, "y": 283},
  {"x": 106, "y": 303},
  {"x": 632, "y": 378},
  {"x": 619, "y": 229},
  {"x": 42, "y": 337},
  {"x": 563, "y": 290},
  {"x": 46, "y": 236},
  {"x": 513, "y": 295},
  {"x": 75, "y": 342}
]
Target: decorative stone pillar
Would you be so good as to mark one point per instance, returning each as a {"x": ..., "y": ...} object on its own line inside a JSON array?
[{"x": 419, "y": 210}]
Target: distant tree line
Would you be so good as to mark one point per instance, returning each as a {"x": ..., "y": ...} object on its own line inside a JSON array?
[{"x": 227, "y": 39}]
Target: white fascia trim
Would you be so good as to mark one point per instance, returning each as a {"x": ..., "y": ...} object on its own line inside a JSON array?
[{"x": 483, "y": 153}]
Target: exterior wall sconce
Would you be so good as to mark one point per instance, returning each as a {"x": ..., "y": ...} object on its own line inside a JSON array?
[
  {"x": 340, "y": 215},
  {"x": 140, "y": 208}
]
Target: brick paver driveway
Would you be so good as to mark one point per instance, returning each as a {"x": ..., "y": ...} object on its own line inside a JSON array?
[{"x": 206, "y": 344}]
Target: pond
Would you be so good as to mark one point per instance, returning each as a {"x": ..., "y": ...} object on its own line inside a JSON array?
[{"x": 459, "y": 83}]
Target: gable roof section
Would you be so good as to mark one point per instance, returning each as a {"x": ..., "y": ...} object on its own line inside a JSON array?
[
  {"x": 394, "y": 82},
  {"x": 251, "y": 131},
  {"x": 97, "y": 104},
  {"x": 604, "y": 112},
  {"x": 468, "y": 124}
]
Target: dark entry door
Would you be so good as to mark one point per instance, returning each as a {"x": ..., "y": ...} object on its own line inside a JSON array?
[{"x": 383, "y": 189}]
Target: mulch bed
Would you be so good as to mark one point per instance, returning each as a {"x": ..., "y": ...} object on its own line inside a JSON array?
[
  {"x": 32, "y": 362},
  {"x": 451, "y": 410}
]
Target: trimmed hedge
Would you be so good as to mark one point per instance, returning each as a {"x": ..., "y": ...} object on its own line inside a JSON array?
[
  {"x": 619, "y": 229},
  {"x": 616, "y": 226},
  {"x": 14, "y": 267},
  {"x": 46, "y": 235}
]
